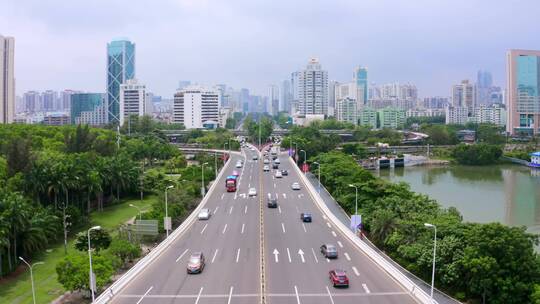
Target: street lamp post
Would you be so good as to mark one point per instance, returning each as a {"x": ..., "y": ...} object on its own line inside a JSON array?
[
  {"x": 139, "y": 209},
  {"x": 167, "y": 210},
  {"x": 215, "y": 164},
  {"x": 31, "y": 276},
  {"x": 225, "y": 144},
  {"x": 90, "y": 259},
  {"x": 203, "y": 191},
  {"x": 356, "y": 198},
  {"x": 434, "y": 253},
  {"x": 305, "y": 156},
  {"x": 319, "y": 169}
]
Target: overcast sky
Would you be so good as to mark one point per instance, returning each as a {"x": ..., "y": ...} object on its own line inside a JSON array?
[{"x": 61, "y": 44}]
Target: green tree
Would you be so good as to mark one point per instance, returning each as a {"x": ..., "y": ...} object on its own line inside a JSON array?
[
  {"x": 124, "y": 250},
  {"x": 99, "y": 240},
  {"x": 18, "y": 156},
  {"x": 383, "y": 223},
  {"x": 479, "y": 154},
  {"x": 73, "y": 271}
]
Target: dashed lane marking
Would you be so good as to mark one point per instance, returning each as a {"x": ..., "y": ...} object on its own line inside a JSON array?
[
  {"x": 366, "y": 289},
  {"x": 204, "y": 228},
  {"x": 224, "y": 229},
  {"x": 339, "y": 243},
  {"x": 314, "y": 255},
  {"x": 145, "y": 294},
  {"x": 347, "y": 256},
  {"x": 356, "y": 271},
  {"x": 243, "y": 226},
  {"x": 329, "y": 295},
  {"x": 178, "y": 258}
]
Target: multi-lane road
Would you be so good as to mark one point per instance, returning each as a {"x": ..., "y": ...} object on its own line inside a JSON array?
[{"x": 241, "y": 228}]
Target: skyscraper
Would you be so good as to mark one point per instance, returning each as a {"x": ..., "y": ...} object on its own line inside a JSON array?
[
  {"x": 523, "y": 91},
  {"x": 464, "y": 95},
  {"x": 312, "y": 89},
  {"x": 88, "y": 108},
  {"x": 49, "y": 100},
  {"x": 7, "y": 79},
  {"x": 360, "y": 77},
  {"x": 120, "y": 67},
  {"x": 132, "y": 99},
  {"x": 484, "y": 83},
  {"x": 285, "y": 96},
  {"x": 273, "y": 99}
]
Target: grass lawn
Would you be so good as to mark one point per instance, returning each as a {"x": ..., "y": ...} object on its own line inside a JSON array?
[{"x": 19, "y": 290}]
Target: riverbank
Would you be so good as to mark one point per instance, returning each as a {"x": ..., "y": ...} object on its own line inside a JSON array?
[{"x": 16, "y": 288}]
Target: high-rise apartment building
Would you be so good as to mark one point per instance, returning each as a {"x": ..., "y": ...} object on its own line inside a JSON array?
[
  {"x": 456, "y": 115},
  {"x": 285, "y": 98},
  {"x": 360, "y": 77},
  {"x": 32, "y": 101},
  {"x": 392, "y": 118},
  {"x": 65, "y": 99},
  {"x": 196, "y": 107},
  {"x": 368, "y": 117},
  {"x": 464, "y": 95},
  {"x": 523, "y": 91},
  {"x": 347, "y": 110},
  {"x": 88, "y": 108},
  {"x": 435, "y": 102},
  {"x": 49, "y": 100},
  {"x": 273, "y": 99},
  {"x": 7, "y": 79},
  {"x": 311, "y": 89},
  {"x": 132, "y": 99},
  {"x": 120, "y": 68}
]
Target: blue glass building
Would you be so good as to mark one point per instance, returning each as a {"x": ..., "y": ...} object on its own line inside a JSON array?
[
  {"x": 88, "y": 108},
  {"x": 361, "y": 78},
  {"x": 120, "y": 67}
]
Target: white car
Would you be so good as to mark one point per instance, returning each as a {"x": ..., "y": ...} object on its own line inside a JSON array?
[
  {"x": 266, "y": 161},
  {"x": 266, "y": 168},
  {"x": 238, "y": 164},
  {"x": 252, "y": 192},
  {"x": 277, "y": 161},
  {"x": 204, "y": 214},
  {"x": 295, "y": 186},
  {"x": 278, "y": 174}
]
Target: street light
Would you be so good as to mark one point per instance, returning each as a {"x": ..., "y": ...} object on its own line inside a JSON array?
[
  {"x": 225, "y": 144},
  {"x": 140, "y": 212},
  {"x": 167, "y": 210},
  {"x": 434, "y": 253},
  {"x": 32, "y": 276},
  {"x": 319, "y": 168},
  {"x": 356, "y": 198},
  {"x": 215, "y": 163},
  {"x": 90, "y": 259},
  {"x": 203, "y": 191},
  {"x": 305, "y": 156}
]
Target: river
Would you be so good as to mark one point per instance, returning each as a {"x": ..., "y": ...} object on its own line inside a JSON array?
[{"x": 509, "y": 194}]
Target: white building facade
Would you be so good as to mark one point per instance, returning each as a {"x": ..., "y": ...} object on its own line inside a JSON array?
[
  {"x": 132, "y": 99},
  {"x": 311, "y": 89},
  {"x": 196, "y": 107},
  {"x": 456, "y": 115},
  {"x": 347, "y": 110}
]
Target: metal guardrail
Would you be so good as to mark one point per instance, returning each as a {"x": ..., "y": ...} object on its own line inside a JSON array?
[
  {"x": 398, "y": 276},
  {"x": 115, "y": 288}
]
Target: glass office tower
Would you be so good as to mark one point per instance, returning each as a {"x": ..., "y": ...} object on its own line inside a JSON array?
[
  {"x": 120, "y": 67},
  {"x": 361, "y": 78}
]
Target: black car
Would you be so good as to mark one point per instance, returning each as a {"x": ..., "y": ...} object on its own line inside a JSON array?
[
  {"x": 272, "y": 202},
  {"x": 284, "y": 172},
  {"x": 305, "y": 217},
  {"x": 275, "y": 166}
]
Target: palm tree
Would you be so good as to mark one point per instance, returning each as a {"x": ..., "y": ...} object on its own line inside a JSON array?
[{"x": 383, "y": 223}]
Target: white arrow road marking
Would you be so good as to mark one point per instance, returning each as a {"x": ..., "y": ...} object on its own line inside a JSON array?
[
  {"x": 330, "y": 295},
  {"x": 230, "y": 209},
  {"x": 237, "y": 255},
  {"x": 284, "y": 195},
  {"x": 297, "y": 296},
  {"x": 204, "y": 228},
  {"x": 198, "y": 296},
  {"x": 215, "y": 254},
  {"x": 356, "y": 271},
  {"x": 243, "y": 225},
  {"x": 347, "y": 256},
  {"x": 365, "y": 288},
  {"x": 185, "y": 251},
  {"x": 144, "y": 295},
  {"x": 304, "y": 226},
  {"x": 289, "y": 255},
  {"x": 314, "y": 255},
  {"x": 276, "y": 255},
  {"x": 301, "y": 253},
  {"x": 230, "y": 295},
  {"x": 283, "y": 227},
  {"x": 224, "y": 229},
  {"x": 334, "y": 233},
  {"x": 339, "y": 243},
  {"x": 279, "y": 209}
]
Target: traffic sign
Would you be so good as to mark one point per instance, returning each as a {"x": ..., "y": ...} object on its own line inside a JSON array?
[
  {"x": 167, "y": 224},
  {"x": 146, "y": 227},
  {"x": 356, "y": 222}
]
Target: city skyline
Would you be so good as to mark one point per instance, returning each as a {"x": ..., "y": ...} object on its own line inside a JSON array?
[{"x": 404, "y": 50}]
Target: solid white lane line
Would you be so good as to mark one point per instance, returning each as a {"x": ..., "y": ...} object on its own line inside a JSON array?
[
  {"x": 198, "y": 296},
  {"x": 243, "y": 226},
  {"x": 329, "y": 295},
  {"x": 328, "y": 224},
  {"x": 297, "y": 296},
  {"x": 215, "y": 210},
  {"x": 283, "y": 227},
  {"x": 185, "y": 251},
  {"x": 204, "y": 228},
  {"x": 245, "y": 209},
  {"x": 237, "y": 255},
  {"x": 366, "y": 288},
  {"x": 339, "y": 243},
  {"x": 230, "y": 295},
  {"x": 304, "y": 226},
  {"x": 230, "y": 209},
  {"x": 279, "y": 209},
  {"x": 223, "y": 194},
  {"x": 224, "y": 229},
  {"x": 347, "y": 256},
  {"x": 356, "y": 271},
  {"x": 334, "y": 233},
  {"x": 144, "y": 295},
  {"x": 215, "y": 254},
  {"x": 289, "y": 255},
  {"x": 314, "y": 255}
]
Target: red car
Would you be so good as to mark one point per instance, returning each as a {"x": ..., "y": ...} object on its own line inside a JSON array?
[{"x": 339, "y": 278}]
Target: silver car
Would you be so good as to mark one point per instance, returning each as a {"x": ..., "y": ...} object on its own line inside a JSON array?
[
  {"x": 295, "y": 186},
  {"x": 204, "y": 214}
]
